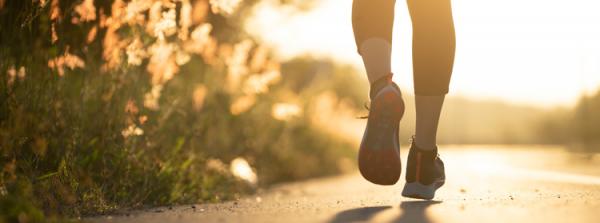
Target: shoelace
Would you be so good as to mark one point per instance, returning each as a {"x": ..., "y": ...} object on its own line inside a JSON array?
[{"x": 365, "y": 116}]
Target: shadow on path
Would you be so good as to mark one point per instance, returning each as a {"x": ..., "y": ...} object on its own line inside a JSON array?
[
  {"x": 414, "y": 211},
  {"x": 357, "y": 214},
  {"x": 411, "y": 211}
]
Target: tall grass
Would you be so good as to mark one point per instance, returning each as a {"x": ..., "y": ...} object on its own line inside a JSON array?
[{"x": 100, "y": 113}]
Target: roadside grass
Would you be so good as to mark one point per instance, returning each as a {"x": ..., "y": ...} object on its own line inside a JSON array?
[
  {"x": 103, "y": 109},
  {"x": 65, "y": 151}
]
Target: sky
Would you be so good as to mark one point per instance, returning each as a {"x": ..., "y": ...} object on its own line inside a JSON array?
[{"x": 538, "y": 52}]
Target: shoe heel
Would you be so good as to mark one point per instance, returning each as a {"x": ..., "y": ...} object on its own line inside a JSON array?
[{"x": 419, "y": 191}]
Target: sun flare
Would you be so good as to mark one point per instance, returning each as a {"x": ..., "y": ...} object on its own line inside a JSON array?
[{"x": 503, "y": 51}]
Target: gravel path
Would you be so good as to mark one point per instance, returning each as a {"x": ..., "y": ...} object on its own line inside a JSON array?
[{"x": 484, "y": 184}]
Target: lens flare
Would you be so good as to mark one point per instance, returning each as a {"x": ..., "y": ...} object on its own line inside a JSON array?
[{"x": 241, "y": 169}]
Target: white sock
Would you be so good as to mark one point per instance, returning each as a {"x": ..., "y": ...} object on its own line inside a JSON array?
[{"x": 377, "y": 58}]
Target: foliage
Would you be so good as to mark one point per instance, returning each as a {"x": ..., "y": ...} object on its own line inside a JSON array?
[
  {"x": 125, "y": 104},
  {"x": 577, "y": 127}
]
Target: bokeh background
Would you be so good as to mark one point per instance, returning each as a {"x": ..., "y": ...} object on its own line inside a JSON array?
[{"x": 112, "y": 105}]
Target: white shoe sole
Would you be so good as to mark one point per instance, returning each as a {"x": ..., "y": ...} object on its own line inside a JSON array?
[{"x": 420, "y": 191}]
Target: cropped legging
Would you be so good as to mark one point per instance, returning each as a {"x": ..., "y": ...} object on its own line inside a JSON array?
[{"x": 433, "y": 37}]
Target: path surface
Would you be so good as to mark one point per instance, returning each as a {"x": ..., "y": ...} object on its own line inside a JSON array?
[{"x": 484, "y": 184}]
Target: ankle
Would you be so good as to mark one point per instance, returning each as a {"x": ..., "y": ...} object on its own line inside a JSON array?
[
  {"x": 379, "y": 84},
  {"x": 424, "y": 145}
]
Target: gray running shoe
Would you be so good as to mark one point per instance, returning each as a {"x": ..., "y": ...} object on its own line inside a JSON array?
[
  {"x": 424, "y": 173},
  {"x": 379, "y": 153}
]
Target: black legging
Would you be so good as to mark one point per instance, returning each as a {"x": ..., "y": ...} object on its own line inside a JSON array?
[{"x": 433, "y": 37}]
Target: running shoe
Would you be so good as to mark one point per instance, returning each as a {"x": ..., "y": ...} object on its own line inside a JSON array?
[
  {"x": 379, "y": 153},
  {"x": 424, "y": 173}
]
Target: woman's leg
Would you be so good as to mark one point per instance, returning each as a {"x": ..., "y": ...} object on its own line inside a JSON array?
[
  {"x": 428, "y": 109},
  {"x": 372, "y": 22},
  {"x": 379, "y": 152},
  {"x": 434, "y": 44}
]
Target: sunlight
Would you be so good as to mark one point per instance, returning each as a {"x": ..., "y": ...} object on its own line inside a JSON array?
[
  {"x": 164, "y": 110},
  {"x": 490, "y": 161},
  {"x": 503, "y": 51},
  {"x": 241, "y": 169},
  {"x": 485, "y": 163},
  {"x": 285, "y": 111},
  {"x": 560, "y": 177}
]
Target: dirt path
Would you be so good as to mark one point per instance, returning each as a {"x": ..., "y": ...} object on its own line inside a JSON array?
[{"x": 485, "y": 184}]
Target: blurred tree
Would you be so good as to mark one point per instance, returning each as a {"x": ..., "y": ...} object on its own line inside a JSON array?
[
  {"x": 579, "y": 127},
  {"x": 587, "y": 122}
]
